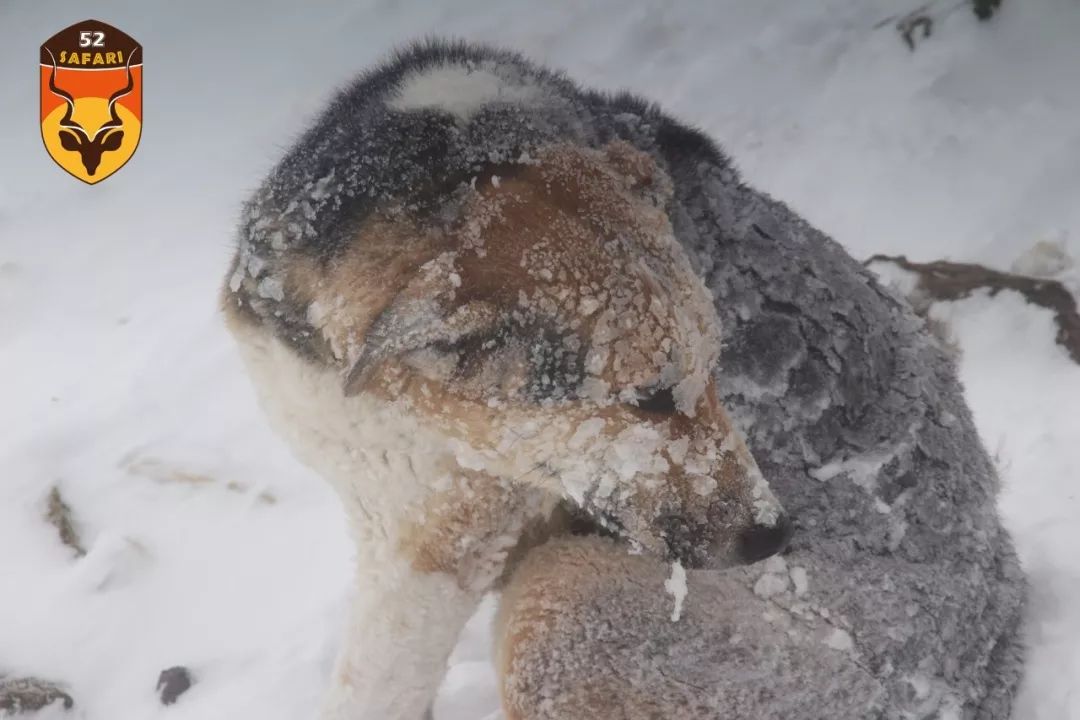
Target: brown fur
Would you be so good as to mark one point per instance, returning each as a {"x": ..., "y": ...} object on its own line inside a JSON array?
[
  {"x": 540, "y": 347},
  {"x": 541, "y": 239},
  {"x": 460, "y": 524}
]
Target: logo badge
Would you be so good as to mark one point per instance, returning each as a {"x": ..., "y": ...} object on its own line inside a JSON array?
[{"x": 91, "y": 99}]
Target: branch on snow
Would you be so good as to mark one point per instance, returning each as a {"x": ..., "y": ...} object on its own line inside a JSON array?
[
  {"x": 28, "y": 695},
  {"x": 58, "y": 514},
  {"x": 943, "y": 280},
  {"x": 918, "y": 24}
]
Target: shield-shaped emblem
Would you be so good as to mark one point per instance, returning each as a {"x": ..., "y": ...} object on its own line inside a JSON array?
[{"x": 91, "y": 99}]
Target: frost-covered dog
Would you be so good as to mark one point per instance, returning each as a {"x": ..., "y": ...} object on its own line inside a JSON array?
[
  {"x": 399, "y": 293},
  {"x": 467, "y": 319},
  {"x": 586, "y": 630}
]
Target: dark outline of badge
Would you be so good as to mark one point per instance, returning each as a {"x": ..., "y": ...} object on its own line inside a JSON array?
[{"x": 134, "y": 66}]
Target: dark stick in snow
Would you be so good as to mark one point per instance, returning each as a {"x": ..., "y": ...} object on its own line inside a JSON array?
[
  {"x": 943, "y": 280},
  {"x": 58, "y": 515},
  {"x": 172, "y": 683},
  {"x": 25, "y": 695}
]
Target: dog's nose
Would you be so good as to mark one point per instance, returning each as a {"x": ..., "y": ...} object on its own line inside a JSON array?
[{"x": 761, "y": 541}]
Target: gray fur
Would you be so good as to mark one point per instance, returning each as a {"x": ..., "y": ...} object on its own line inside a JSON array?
[
  {"x": 828, "y": 366},
  {"x": 610, "y": 646},
  {"x": 821, "y": 366}
]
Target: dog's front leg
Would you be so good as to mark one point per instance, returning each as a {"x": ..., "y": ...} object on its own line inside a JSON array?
[{"x": 403, "y": 625}]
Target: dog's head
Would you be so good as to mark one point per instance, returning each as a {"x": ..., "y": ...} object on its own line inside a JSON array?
[{"x": 549, "y": 325}]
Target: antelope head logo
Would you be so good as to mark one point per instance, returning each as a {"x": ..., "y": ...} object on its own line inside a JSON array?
[{"x": 74, "y": 137}]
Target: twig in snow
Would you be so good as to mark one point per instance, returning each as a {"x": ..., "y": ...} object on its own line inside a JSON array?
[
  {"x": 944, "y": 280},
  {"x": 172, "y": 683},
  {"x": 58, "y": 514},
  {"x": 909, "y": 25},
  {"x": 984, "y": 9},
  {"x": 918, "y": 24},
  {"x": 26, "y": 695}
]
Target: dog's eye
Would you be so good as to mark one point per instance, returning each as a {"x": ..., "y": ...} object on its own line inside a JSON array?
[{"x": 659, "y": 400}]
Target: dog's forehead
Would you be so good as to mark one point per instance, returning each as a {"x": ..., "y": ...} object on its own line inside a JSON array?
[
  {"x": 582, "y": 237},
  {"x": 572, "y": 223},
  {"x": 568, "y": 233},
  {"x": 574, "y": 243}
]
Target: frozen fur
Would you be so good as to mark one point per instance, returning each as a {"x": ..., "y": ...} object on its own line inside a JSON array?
[
  {"x": 359, "y": 262},
  {"x": 587, "y": 631},
  {"x": 465, "y": 353}
]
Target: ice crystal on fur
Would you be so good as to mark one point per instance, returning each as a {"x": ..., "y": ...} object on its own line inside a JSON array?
[{"x": 676, "y": 586}]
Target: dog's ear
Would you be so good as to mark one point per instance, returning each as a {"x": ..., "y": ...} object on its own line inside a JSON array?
[{"x": 412, "y": 323}]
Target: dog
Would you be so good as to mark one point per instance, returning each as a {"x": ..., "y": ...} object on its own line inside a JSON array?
[
  {"x": 493, "y": 308},
  {"x": 473, "y": 343}
]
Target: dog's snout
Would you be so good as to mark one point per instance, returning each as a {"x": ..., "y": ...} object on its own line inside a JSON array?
[{"x": 761, "y": 541}]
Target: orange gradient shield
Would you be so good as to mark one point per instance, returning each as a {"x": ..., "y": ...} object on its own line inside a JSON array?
[{"x": 91, "y": 99}]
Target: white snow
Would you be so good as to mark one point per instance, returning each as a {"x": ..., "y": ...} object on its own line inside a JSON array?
[
  {"x": 801, "y": 580},
  {"x": 110, "y": 344},
  {"x": 676, "y": 587},
  {"x": 1046, "y": 258},
  {"x": 769, "y": 585},
  {"x": 839, "y": 639},
  {"x": 774, "y": 579},
  {"x": 460, "y": 90}
]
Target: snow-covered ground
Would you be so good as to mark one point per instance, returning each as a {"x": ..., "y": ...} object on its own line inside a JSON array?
[{"x": 210, "y": 547}]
